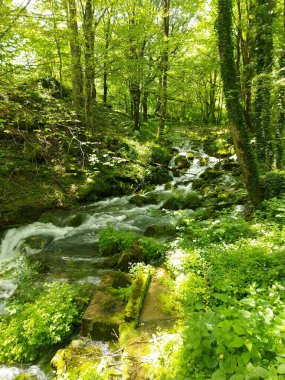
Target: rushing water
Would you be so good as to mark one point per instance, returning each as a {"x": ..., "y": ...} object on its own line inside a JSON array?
[{"x": 72, "y": 252}]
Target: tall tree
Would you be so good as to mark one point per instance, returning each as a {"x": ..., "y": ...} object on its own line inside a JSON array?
[
  {"x": 90, "y": 91},
  {"x": 164, "y": 67},
  {"x": 75, "y": 56},
  {"x": 233, "y": 102},
  {"x": 280, "y": 124},
  {"x": 263, "y": 69}
]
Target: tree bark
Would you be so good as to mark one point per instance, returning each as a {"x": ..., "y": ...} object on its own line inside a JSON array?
[
  {"x": 280, "y": 125},
  {"x": 89, "y": 63},
  {"x": 164, "y": 67},
  {"x": 233, "y": 103},
  {"x": 75, "y": 56},
  {"x": 263, "y": 69}
]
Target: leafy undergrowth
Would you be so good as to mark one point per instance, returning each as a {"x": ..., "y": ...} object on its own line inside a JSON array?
[
  {"x": 228, "y": 282},
  {"x": 39, "y": 316}
]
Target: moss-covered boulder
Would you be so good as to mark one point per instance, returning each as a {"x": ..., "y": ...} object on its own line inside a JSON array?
[
  {"x": 181, "y": 162},
  {"x": 175, "y": 202},
  {"x": 105, "y": 312},
  {"x": 143, "y": 200},
  {"x": 159, "y": 176},
  {"x": 192, "y": 200},
  {"x": 204, "y": 160},
  {"x": 198, "y": 183},
  {"x": 159, "y": 230},
  {"x": 77, "y": 361},
  {"x": 113, "y": 241},
  {"x": 132, "y": 254},
  {"x": 138, "y": 291},
  {"x": 160, "y": 155},
  {"x": 138, "y": 200},
  {"x": 211, "y": 174},
  {"x": 76, "y": 220}
]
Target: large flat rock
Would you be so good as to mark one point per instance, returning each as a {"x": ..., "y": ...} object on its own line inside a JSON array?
[{"x": 106, "y": 310}]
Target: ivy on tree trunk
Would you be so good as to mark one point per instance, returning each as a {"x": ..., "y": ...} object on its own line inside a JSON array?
[{"x": 233, "y": 103}]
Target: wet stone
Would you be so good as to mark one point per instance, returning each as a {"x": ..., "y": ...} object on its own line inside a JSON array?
[{"x": 106, "y": 310}]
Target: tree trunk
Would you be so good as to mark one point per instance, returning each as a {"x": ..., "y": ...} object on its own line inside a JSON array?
[
  {"x": 89, "y": 63},
  {"x": 263, "y": 70},
  {"x": 75, "y": 55},
  {"x": 233, "y": 103},
  {"x": 106, "y": 56},
  {"x": 281, "y": 105},
  {"x": 145, "y": 106},
  {"x": 164, "y": 67},
  {"x": 58, "y": 48},
  {"x": 135, "y": 93}
]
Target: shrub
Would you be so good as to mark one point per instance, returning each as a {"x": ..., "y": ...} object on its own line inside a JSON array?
[
  {"x": 274, "y": 184},
  {"x": 28, "y": 329},
  {"x": 152, "y": 249},
  {"x": 112, "y": 241},
  {"x": 237, "y": 340}
]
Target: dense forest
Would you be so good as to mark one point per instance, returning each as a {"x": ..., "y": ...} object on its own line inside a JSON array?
[{"x": 142, "y": 179}]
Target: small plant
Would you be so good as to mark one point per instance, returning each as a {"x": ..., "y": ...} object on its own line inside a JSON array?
[{"x": 112, "y": 241}]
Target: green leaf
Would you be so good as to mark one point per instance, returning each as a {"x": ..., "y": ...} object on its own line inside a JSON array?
[
  {"x": 237, "y": 376},
  {"x": 262, "y": 372},
  {"x": 229, "y": 365},
  {"x": 236, "y": 342},
  {"x": 218, "y": 375},
  {"x": 248, "y": 346},
  {"x": 281, "y": 369}
]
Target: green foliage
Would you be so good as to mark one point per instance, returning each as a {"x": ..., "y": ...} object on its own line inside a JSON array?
[
  {"x": 30, "y": 328},
  {"x": 160, "y": 155},
  {"x": 237, "y": 340},
  {"x": 234, "y": 268},
  {"x": 112, "y": 241},
  {"x": 226, "y": 229},
  {"x": 274, "y": 184},
  {"x": 272, "y": 210},
  {"x": 152, "y": 249}
]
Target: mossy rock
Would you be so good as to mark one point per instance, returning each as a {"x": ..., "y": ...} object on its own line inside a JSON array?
[
  {"x": 211, "y": 174},
  {"x": 181, "y": 162},
  {"x": 160, "y": 155},
  {"x": 131, "y": 255},
  {"x": 204, "y": 160},
  {"x": 205, "y": 213},
  {"x": 138, "y": 200},
  {"x": 143, "y": 200},
  {"x": 158, "y": 230},
  {"x": 191, "y": 156},
  {"x": 230, "y": 165},
  {"x": 38, "y": 242},
  {"x": 159, "y": 176},
  {"x": 76, "y": 220},
  {"x": 105, "y": 312},
  {"x": 210, "y": 202},
  {"x": 198, "y": 183},
  {"x": 139, "y": 288},
  {"x": 75, "y": 359},
  {"x": 192, "y": 200},
  {"x": 175, "y": 202},
  {"x": 170, "y": 186},
  {"x": 112, "y": 241}
]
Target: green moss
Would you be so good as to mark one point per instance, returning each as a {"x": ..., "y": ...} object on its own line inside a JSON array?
[{"x": 139, "y": 288}]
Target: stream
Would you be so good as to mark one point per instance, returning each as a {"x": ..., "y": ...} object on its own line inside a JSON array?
[{"x": 66, "y": 242}]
